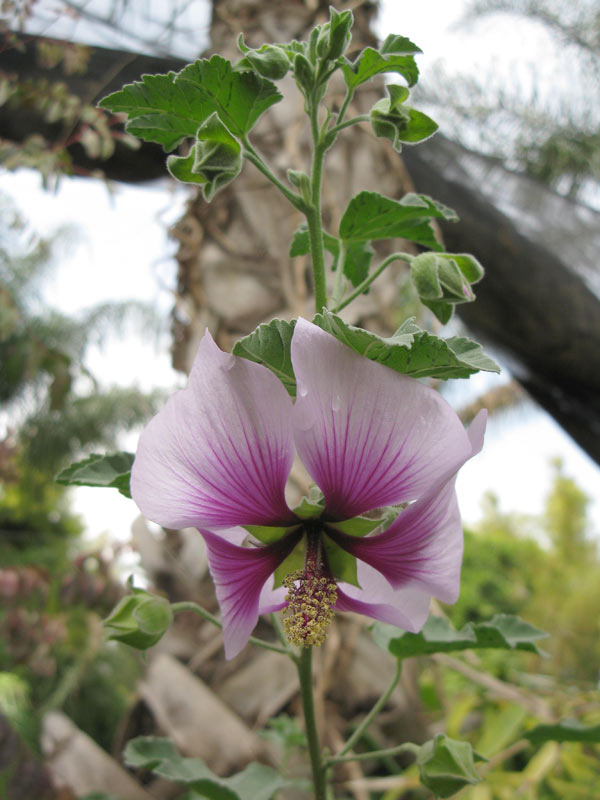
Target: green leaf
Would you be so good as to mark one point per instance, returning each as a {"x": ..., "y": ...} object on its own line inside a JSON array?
[
  {"x": 169, "y": 108},
  {"x": 371, "y": 62},
  {"x": 270, "y": 61},
  {"x": 160, "y": 109},
  {"x": 270, "y": 345},
  {"x": 398, "y": 45},
  {"x": 446, "y": 766},
  {"x": 112, "y": 470},
  {"x": 300, "y": 245},
  {"x": 410, "y": 350},
  {"x": 503, "y": 631},
  {"x": 214, "y": 161},
  {"x": 255, "y": 782},
  {"x": 372, "y": 216},
  {"x": 566, "y": 730},
  {"x": 239, "y": 98},
  {"x": 391, "y": 119},
  {"x": 357, "y": 261}
]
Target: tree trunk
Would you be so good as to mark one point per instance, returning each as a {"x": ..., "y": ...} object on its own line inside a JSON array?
[{"x": 234, "y": 271}]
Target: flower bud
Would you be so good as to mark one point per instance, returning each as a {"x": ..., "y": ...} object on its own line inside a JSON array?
[
  {"x": 139, "y": 620},
  {"x": 392, "y": 120},
  {"x": 446, "y": 766}
]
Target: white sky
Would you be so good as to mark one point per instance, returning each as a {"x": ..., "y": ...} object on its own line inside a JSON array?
[{"x": 123, "y": 252}]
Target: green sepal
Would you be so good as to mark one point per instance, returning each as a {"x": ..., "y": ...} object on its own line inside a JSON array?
[
  {"x": 444, "y": 279},
  {"x": 446, "y": 765},
  {"x": 139, "y": 620},
  {"x": 293, "y": 563},
  {"x": 269, "y": 61},
  {"x": 400, "y": 124},
  {"x": 113, "y": 470},
  {"x": 411, "y": 351},
  {"x": 370, "y": 216},
  {"x": 503, "y": 632},
  {"x": 300, "y": 181},
  {"x": 267, "y": 534},
  {"x": 357, "y": 526},
  {"x": 270, "y": 345},
  {"x": 311, "y": 507},
  {"x": 342, "y": 564},
  {"x": 214, "y": 161}
]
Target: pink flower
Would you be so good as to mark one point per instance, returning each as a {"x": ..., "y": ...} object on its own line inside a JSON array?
[{"x": 219, "y": 454}]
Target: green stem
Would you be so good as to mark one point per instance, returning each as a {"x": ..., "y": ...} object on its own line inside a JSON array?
[
  {"x": 407, "y": 747},
  {"x": 345, "y": 104},
  {"x": 313, "y": 214},
  {"x": 354, "y": 121},
  {"x": 252, "y": 156},
  {"x": 370, "y": 278},
  {"x": 188, "y": 605},
  {"x": 371, "y": 715},
  {"x": 339, "y": 274},
  {"x": 304, "y": 665}
]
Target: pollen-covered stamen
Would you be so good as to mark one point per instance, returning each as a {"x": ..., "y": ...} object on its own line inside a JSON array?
[{"x": 312, "y": 593}]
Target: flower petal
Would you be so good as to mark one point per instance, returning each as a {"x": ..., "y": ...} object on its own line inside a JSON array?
[
  {"x": 369, "y": 436},
  {"x": 407, "y": 607},
  {"x": 220, "y": 451},
  {"x": 423, "y": 546},
  {"x": 241, "y": 578}
]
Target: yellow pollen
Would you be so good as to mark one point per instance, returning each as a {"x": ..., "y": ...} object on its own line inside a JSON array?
[{"x": 310, "y": 600}]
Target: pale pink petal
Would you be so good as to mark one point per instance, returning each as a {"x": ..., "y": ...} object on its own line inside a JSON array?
[
  {"x": 240, "y": 575},
  {"x": 407, "y": 607},
  {"x": 369, "y": 436},
  {"x": 220, "y": 451}
]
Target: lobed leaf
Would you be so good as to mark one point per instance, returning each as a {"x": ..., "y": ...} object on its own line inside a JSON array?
[
  {"x": 112, "y": 470},
  {"x": 371, "y": 62},
  {"x": 370, "y": 215},
  {"x": 255, "y": 782},
  {"x": 170, "y": 108},
  {"x": 412, "y": 351},
  {"x": 270, "y": 345},
  {"x": 503, "y": 631},
  {"x": 239, "y": 98}
]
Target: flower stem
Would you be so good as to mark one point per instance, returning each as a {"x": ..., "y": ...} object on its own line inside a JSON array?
[
  {"x": 304, "y": 665},
  {"x": 370, "y": 716},
  {"x": 370, "y": 278},
  {"x": 406, "y": 747},
  {"x": 252, "y": 156},
  {"x": 188, "y": 605},
  {"x": 313, "y": 213}
]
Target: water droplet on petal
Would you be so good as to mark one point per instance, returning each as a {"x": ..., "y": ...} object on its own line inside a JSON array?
[
  {"x": 302, "y": 389},
  {"x": 336, "y": 402}
]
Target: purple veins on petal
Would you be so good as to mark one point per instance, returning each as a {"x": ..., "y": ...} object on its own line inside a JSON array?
[
  {"x": 240, "y": 575},
  {"x": 220, "y": 451},
  {"x": 391, "y": 439}
]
